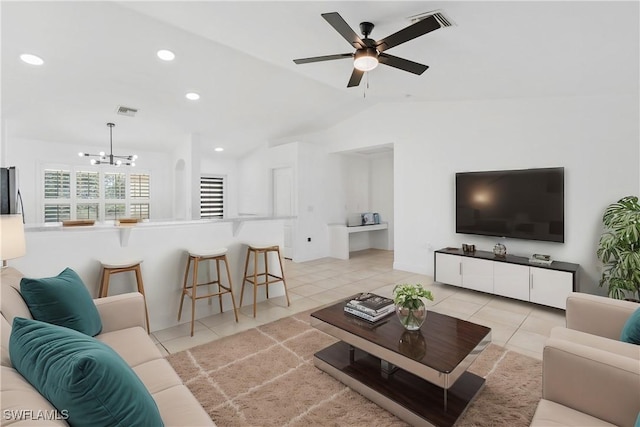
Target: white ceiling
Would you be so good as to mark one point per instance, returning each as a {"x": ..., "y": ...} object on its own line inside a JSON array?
[{"x": 238, "y": 56}]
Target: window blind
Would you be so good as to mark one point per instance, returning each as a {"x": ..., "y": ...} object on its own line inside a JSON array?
[{"x": 211, "y": 197}]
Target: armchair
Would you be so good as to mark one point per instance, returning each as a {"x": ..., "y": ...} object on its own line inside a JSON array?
[{"x": 589, "y": 377}]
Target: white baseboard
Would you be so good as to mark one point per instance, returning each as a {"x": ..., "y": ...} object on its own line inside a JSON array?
[{"x": 411, "y": 268}]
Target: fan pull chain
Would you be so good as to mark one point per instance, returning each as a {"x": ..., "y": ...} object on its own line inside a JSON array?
[{"x": 364, "y": 92}]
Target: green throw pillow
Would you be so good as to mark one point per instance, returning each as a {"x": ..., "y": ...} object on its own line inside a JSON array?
[
  {"x": 82, "y": 377},
  {"x": 63, "y": 300},
  {"x": 631, "y": 329}
]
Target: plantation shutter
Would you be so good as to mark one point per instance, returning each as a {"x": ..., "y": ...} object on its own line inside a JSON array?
[
  {"x": 57, "y": 184},
  {"x": 139, "y": 186},
  {"x": 139, "y": 191},
  {"x": 211, "y": 197},
  {"x": 87, "y": 185},
  {"x": 57, "y": 195},
  {"x": 115, "y": 185}
]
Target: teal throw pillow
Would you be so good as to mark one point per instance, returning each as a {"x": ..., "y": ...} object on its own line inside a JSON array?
[
  {"x": 63, "y": 300},
  {"x": 631, "y": 330},
  {"x": 85, "y": 379}
]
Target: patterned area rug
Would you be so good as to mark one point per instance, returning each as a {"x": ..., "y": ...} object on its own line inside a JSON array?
[{"x": 265, "y": 377}]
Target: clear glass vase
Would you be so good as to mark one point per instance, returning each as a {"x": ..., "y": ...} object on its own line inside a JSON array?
[{"x": 412, "y": 318}]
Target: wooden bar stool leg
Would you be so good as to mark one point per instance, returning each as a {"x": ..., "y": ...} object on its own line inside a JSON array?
[
  {"x": 286, "y": 293},
  {"x": 233, "y": 300},
  {"x": 219, "y": 283},
  {"x": 101, "y": 284},
  {"x": 194, "y": 292},
  {"x": 184, "y": 286},
  {"x": 105, "y": 282},
  {"x": 141, "y": 290},
  {"x": 255, "y": 282},
  {"x": 266, "y": 272},
  {"x": 210, "y": 281},
  {"x": 244, "y": 276}
]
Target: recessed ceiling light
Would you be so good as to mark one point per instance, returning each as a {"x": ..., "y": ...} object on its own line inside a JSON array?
[
  {"x": 192, "y": 96},
  {"x": 31, "y": 59},
  {"x": 166, "y": 55},
  {"x": 218, "y": 149}
]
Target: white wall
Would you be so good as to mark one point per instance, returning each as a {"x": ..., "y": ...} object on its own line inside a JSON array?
[
  {"x": 382, "y": 190},
  {"x": 254, "y": 172},
  {"x": 594, "y": 138},
  {"x": 31, "y": 156}
]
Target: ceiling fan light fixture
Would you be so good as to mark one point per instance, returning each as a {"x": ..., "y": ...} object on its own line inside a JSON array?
[{"x": 366, "y": 59}]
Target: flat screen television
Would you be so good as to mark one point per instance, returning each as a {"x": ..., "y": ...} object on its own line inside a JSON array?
[{"x": 521, "y": 204}]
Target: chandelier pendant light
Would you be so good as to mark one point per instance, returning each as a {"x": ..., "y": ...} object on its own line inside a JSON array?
[{"x": 110, "y": 159}]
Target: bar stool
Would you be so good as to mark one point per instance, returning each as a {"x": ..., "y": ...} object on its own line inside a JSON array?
[
  {"x": 191, "y": 291},
  {"x": 115, "y": 267},
  {"x": 269, "y": 278}
]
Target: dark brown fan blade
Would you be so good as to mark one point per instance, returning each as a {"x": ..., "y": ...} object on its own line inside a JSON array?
[
  {"x": 335, "y": 20},
  {"x": 402, "y": 64},
  {"x": 356, "y": 76},
  {"x": 323, "y": 58},
  {"x": 411, "y": 32}
]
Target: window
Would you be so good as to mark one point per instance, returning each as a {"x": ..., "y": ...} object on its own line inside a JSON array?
[
  {"x": 139, "y": 193},
  {"x": 57, "y": 195},
  {"x": 211, "y": 197},
  {"x": 91, "y": 194}
]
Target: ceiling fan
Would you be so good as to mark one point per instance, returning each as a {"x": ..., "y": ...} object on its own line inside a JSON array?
[{"x": 370, "y": 52}]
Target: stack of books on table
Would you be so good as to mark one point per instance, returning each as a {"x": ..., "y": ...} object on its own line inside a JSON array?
[{"x": 370, "y": 307}]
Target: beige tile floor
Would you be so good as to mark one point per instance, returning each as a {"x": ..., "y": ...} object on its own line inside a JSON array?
[{"x": 517, "y": 325}]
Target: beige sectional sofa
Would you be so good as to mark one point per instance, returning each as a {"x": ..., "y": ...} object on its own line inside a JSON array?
[
  {"x": 123, "y": 329},
  {"x": 590, "y": 377}
]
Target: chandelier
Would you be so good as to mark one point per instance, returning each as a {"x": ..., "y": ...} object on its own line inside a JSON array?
[{"x": 110, "y": 159}]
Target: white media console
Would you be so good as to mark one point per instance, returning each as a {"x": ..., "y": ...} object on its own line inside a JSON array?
[{"x": 510, "y": 276}]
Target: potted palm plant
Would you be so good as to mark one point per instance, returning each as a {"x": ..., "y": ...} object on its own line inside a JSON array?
[{"x": 619, "y": 249}]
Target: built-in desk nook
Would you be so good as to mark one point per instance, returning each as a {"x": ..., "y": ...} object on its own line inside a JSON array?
[{"x": 344, "y": 239}]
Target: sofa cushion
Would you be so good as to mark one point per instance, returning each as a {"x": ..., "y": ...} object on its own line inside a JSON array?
[
  {"x": 63, "y": 300},
  {"x": 631, "y": 328},
  {"x": 23, "y": 405},
  {"x": 179, "y": 408},
  {"x": 121, "y": 341},
  {"x": 549, "y": 414},
  {"x": 80, "y": 375}
]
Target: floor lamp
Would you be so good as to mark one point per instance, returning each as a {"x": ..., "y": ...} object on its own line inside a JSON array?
[{"x": 12, "y": 242}]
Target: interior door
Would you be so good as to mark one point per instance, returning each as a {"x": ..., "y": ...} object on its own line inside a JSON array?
[{"x": 283, "y": 205}]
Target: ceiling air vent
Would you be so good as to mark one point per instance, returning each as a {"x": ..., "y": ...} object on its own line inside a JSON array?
[
  {"x": 442, "y": 19},
  {"x": 126, "y": 111}
]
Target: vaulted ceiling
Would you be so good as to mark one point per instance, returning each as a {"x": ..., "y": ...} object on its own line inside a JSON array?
[{"x": 238, "y": 56}]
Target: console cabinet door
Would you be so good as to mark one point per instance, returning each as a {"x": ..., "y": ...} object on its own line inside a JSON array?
[
  {"x": 477, "y": 274},
  {"x": 550, "y": 287},
  {"x": 448, "y": 269},
  {"x": 511, "y": 280}
]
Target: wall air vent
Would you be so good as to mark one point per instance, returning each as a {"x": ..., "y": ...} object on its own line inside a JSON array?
[
  {"x": 126, "y": 111},
  {"x": 439, "y": 14}
]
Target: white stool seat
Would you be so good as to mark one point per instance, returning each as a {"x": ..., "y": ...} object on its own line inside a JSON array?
[
  {"x": 120, "y": 263},
  {"x": 207, "y": 253}
]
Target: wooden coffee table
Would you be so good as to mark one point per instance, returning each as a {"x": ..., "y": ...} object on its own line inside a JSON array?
[{"x": 421, "y": 376}]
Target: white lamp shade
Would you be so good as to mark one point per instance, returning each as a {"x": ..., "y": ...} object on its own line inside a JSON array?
[{"x": 12, "y": 237}]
